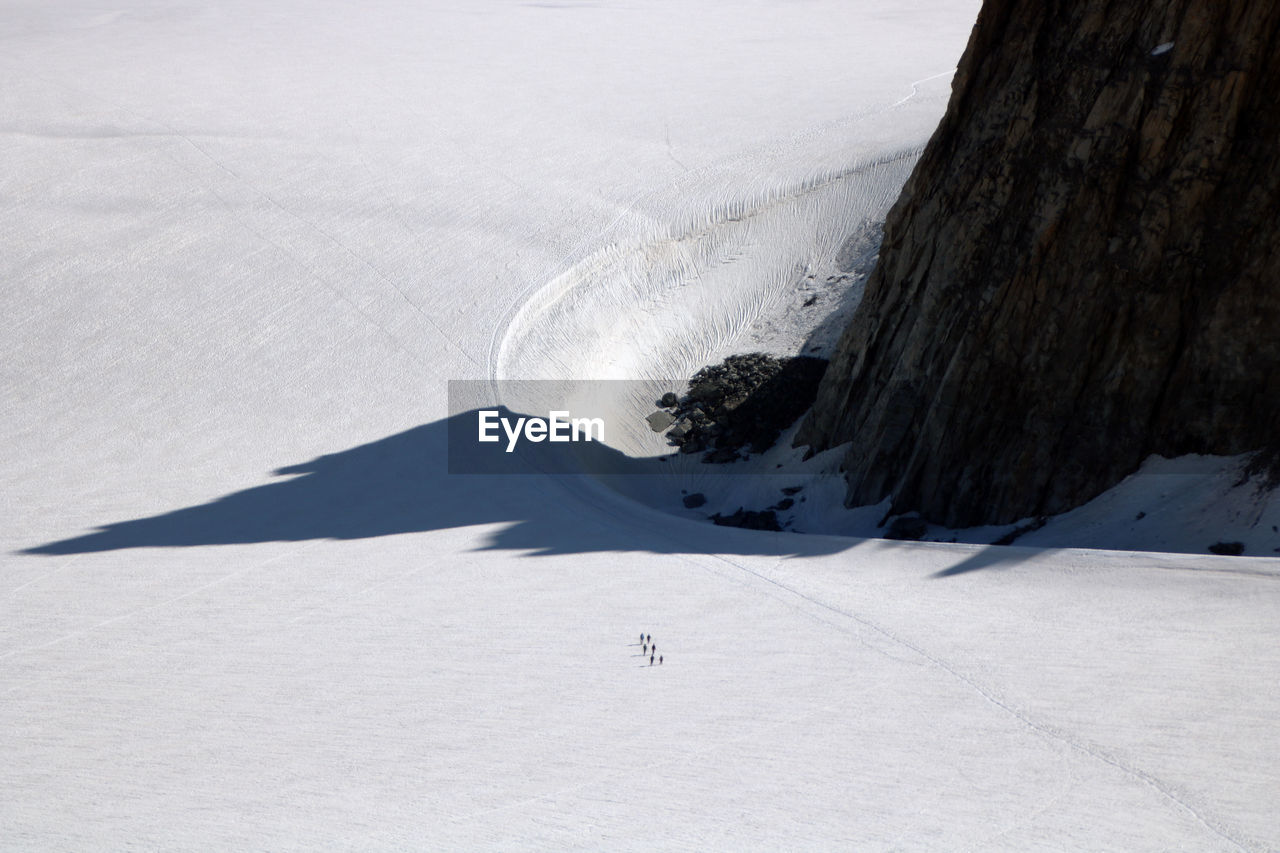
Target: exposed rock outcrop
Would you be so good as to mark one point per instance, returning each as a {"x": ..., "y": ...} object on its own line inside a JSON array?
[
  {"x": 1084, "y": 268},
  {"x": 740, "y": 405}
]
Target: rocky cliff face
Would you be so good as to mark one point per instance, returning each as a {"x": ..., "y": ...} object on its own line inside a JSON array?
[{"x": 1084, "y": 268}]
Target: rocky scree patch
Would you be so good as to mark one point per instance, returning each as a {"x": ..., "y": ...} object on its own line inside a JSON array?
[{"x": 738, "y": 406}]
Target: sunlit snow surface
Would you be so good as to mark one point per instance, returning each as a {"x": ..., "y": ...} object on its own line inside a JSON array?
[{"x": 243, "y": 606}]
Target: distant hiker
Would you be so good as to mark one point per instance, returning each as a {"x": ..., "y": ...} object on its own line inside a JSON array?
[
  {"x": 654, "y": 647},
  {"x": 642, "y": 636},
  {"x": 659, "y": 660},
  {"x": 644, "y": 648},
  {"x": 650, "y": 660},
  {"x": 649, "y": 638}
]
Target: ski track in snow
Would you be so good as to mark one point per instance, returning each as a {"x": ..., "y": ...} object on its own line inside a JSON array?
[
  {"x": 262, "y": 229},
  {"x": 797, "y": 599},
  {"x": 915, "y": 86},
  {"x": 161, "y": 605},
  {"x": 688, "y": 758},
  {"x": 333, "y": 240},
  {"x": 65, "y": 564},
  {"x": 1168, "y": 792}
]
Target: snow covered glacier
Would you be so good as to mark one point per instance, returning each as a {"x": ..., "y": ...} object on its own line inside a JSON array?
[{"x": 244, "y": 603}]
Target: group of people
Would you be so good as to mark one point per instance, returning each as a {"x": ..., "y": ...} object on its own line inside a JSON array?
[{"x": 649, "y": 647}]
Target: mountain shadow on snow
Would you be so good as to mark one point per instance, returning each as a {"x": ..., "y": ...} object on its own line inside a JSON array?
[{"x": 402, "y": 484}]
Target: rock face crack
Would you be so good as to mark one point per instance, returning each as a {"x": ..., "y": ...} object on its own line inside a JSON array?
[{"x": 1081, "y": 271}]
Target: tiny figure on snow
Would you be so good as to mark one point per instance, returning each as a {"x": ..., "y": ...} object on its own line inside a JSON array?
[
  {"x": 644, "y": 648},
  {"x": 642, "y": 636},
  {"x": 650, "y": 660},
  {"x": 648, "y": 638},
  {"x": 659, "y": 660}
]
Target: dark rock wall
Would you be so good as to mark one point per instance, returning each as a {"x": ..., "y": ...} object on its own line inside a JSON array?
[{"x": 1083, "y": 269}]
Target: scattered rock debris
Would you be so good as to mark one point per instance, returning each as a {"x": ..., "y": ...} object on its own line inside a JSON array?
[
  {"x": 737, "y": 407},
  {"x": 740, "y": 405},
  {"x": 749, "y": 519}
]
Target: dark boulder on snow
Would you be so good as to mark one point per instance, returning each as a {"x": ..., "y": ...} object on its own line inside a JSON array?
[
  {"x": 660, "y": 420},
  {"x": 907, "y": 527},
  {"x": 1227, "y": 549},
  {"x": 694, "y": 500},
  {"x": 750, "y": 519},
  {"x": 1081, "y": 270}
]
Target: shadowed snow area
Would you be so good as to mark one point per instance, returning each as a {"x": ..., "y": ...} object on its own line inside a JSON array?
[{"x": 245, "y": 605}]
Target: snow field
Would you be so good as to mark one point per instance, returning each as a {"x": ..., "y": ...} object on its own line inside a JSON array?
[{"x": 243, "y": 604}]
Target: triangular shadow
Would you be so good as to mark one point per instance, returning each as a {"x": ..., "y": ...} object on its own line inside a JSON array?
[{"x": 420, "y": 480}]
